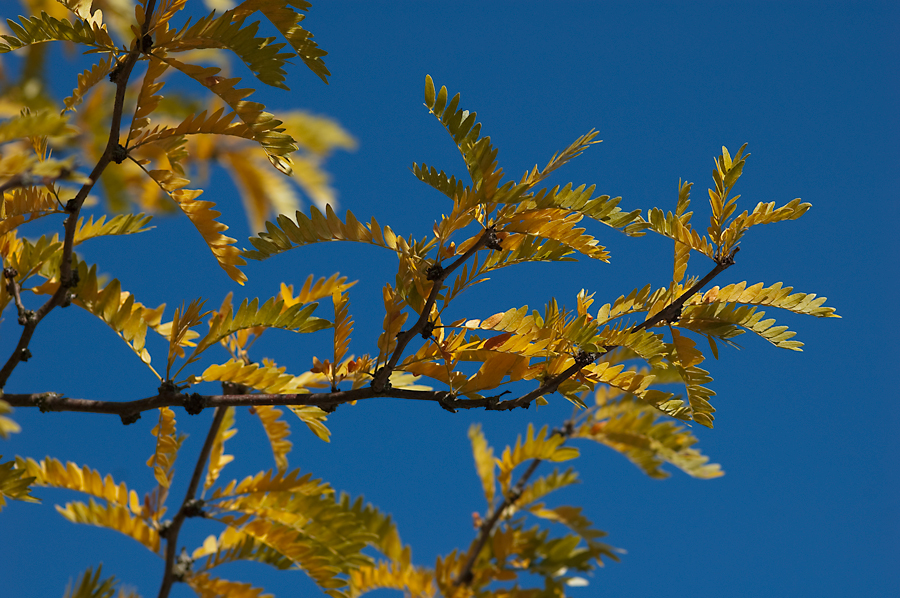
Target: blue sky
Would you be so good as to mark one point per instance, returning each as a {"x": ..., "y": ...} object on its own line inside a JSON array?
[{"x": 808, "y": 505}]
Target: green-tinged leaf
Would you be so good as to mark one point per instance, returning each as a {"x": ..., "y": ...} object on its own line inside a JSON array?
[
  {"x": 46, "y": 28},
  {"x": 544, "y": 485},
  {"x": 648, "y": 439},
  {"x": 45, "y": 123},
  {"x": 214, "y": 587},
  {"x": 260, "y": 55},
  {"x": 318, "y": 228},
  {"x": 542, "y": 446},
  {"x": 284, "y": 15},
  {"x": 14, "y": 483},
  {"x": 7, "y": 425},
  {"x": 92, "y": 587},
  {"x": 87, "y": 80},
  {"x": 123, "y": 224},
  {"x": 271, "y": 314}
]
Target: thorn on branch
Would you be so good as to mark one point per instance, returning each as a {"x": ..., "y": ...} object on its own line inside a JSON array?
[
  {"x": 129, "y": 418},
  {"x": 434, "y": 271},
  {"x": 71, "y": 205}
]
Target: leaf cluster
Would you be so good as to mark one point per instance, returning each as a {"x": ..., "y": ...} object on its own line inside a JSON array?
[{"x": 631, "y": 367}]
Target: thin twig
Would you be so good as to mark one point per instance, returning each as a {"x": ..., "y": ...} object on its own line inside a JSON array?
[
  {"x": 66, "y": 280},
  {"x": 380, "y": 382},
  {"x": 673, "y": 311},
  {"x": 484, "y": 530},
  {"x": 15, "y": 290},
  {"x": 188, "y": 504}
]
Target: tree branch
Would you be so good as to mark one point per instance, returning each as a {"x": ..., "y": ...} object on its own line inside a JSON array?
[
  {"x": 484, "y": 530},
  {"x": 380, "y": 382},
  {"x": 130, "y": 411},
  {"x": 189, "y": 505},
  {"x": 73, "y": 206}
]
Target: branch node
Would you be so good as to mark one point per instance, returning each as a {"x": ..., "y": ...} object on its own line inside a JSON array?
[
  {"x": 194, "y": 403},
  {"x": 74, "y": 277},
  {"x": 675, "y": 315},
  {"x": 181, "y": 570},
  {"x": 119, "y": 154},
  {"x": 129, "y": 418},
  {"x": 493, "y": 241},
  {"x": 493, "y": 402},
  {"x": 164, "y": 528},
  {"x": 434, "y": 271},
  {"x": 446, "y": 402},
  {"x": 24, "y": 354},
  {"x": 427, "y": 330},
  {"x": 584, "y": 358},
  {"x": 167, "y": 389},
  {"x": 387, "y": 381},
  {"x": 727, "y": 259},
  {"x": 10, "y": 273},
  {"x": 25, "y": 317},
  {"x": 331, "y": 408},
  {"x": 194, "y": 508},
  {"x": 114, "y": 73},
  {"x": 146, "y": 43}
]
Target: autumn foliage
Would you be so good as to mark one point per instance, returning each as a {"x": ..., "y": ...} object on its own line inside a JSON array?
[{"x": 115, "y": 155}]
